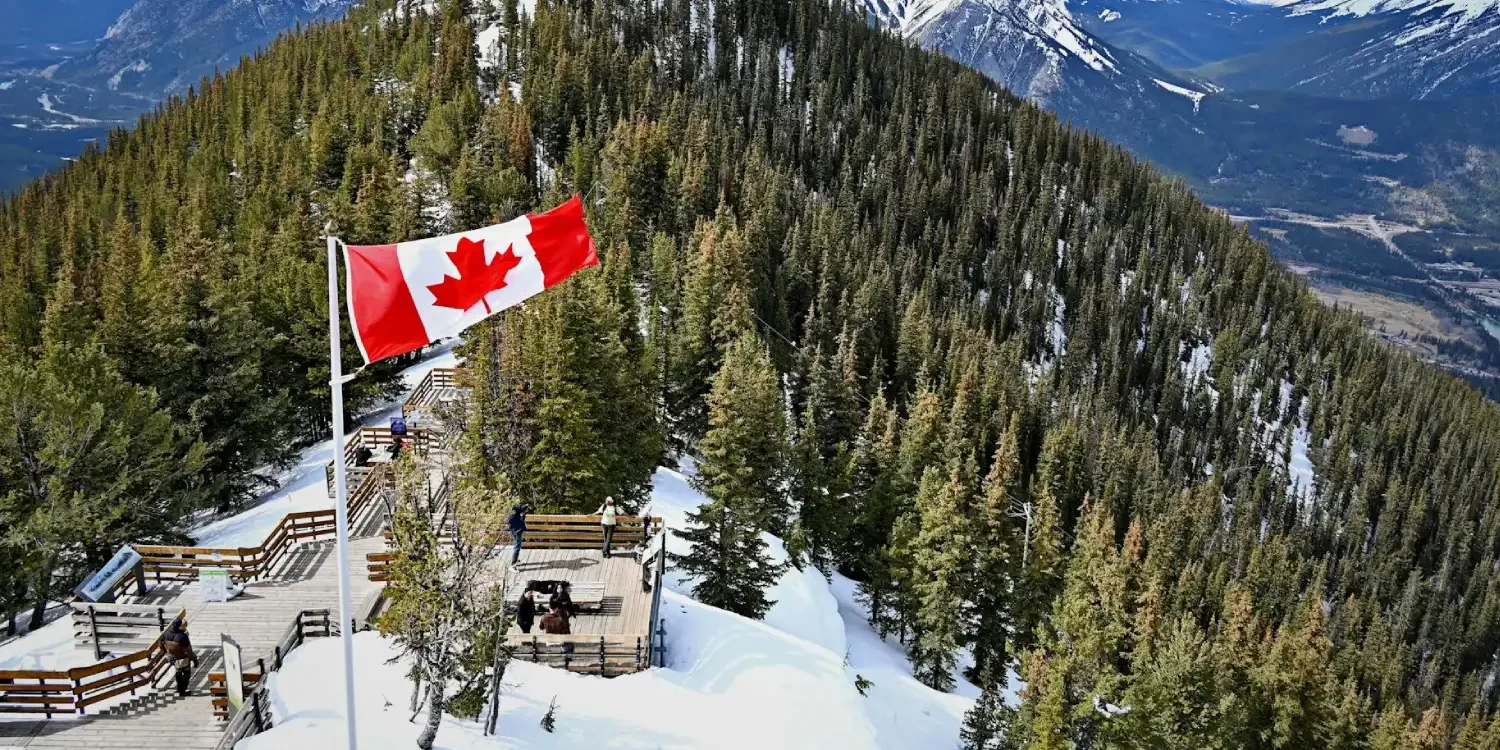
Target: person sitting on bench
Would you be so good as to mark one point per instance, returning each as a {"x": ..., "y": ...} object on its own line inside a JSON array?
[
  {"x": 562, "y": 599},
  {"x": 362, "y": 455},
  {"x": 396, "y": 446}
]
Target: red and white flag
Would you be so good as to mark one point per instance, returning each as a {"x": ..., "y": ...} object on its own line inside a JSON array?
[{"x": 403, "y": 297}]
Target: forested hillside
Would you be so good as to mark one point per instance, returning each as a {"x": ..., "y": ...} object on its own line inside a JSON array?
[{"x": 1042, "y": 402}]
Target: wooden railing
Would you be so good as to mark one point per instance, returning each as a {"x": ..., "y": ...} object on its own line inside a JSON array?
[
  {"x": 254, "y": 716},
  {"x": 66, "y": 691},
  {"x": 605, "y": 655},
  {"x": 438, "y": 385},
  {"x": 243, "y": 563},
  {"x": 378, "y": 440},
  {"x": 544, "y": 532},
  {"x": 310, "y": 623},
  {"x": 163, "y": 562},
  {"x": 108, "y": 627}
]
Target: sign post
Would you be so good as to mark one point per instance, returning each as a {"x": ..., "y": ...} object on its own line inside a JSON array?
[
  {"x": 213, "y": 584},
  {"x": 234, "y": 674}
]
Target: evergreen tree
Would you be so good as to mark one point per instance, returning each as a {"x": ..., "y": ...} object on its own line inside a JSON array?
[{"x": 742, "y": 474}]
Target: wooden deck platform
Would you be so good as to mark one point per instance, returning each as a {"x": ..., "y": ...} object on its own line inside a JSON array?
[
  {"x": 306, "y": 578},
  {"x": 626, "y": 609}
]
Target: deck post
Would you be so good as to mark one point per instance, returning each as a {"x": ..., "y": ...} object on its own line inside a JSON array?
[
  {"x": 661, "y": 644},
  {"x": 255, "y": 710},
  {"x": 601, "y": 656},
  {"x": 161, "y": 619},
  {"x": 94, "y": 628}
]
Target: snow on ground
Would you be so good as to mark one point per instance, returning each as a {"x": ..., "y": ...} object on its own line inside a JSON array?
[
  {"x": 488, "y": 43},
  {"x": 730, "y": 682},
  {"x": 304, "y": 486},
  {"x": 46, "y": 648}
]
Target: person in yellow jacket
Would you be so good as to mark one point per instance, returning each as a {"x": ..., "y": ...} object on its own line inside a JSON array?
[{"x": 606, "y": 515}]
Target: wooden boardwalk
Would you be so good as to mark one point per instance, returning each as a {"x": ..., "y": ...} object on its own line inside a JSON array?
[{"x": 306, "y": 579}]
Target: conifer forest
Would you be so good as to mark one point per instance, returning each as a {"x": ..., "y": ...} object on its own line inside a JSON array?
[{"x": 1063, "y": 422}]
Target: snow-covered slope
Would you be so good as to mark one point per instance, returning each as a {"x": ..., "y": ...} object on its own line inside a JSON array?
[{"x": 730, "y": 682}]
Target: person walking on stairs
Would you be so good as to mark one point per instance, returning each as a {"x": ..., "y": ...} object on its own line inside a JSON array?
[
  {"x": 180, "y": 650},
  {"x": 606, "y": 515}
]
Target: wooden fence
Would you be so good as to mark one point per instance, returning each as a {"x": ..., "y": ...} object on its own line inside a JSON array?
[
  {"x": 440, "y": 385},
  {"x": 605, "y": 655},
  {"x": 254, "y": 716},
  {"x": 66, "y": 691},
  {"x": 545, "y": 532}
]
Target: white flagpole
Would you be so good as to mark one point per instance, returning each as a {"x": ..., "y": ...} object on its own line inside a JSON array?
[{"x": 341, "y": 507}]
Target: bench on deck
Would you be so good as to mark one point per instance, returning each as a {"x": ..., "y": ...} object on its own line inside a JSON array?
[{"x": 586, "y": 594}]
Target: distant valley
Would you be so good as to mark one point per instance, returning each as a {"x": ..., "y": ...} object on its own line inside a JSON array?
[{"x": 75, "y": 69}]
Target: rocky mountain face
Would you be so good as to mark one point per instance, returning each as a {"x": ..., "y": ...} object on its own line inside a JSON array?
[
  {"x": 72, "y": 70},
  {"x": 158, "y": 47}
]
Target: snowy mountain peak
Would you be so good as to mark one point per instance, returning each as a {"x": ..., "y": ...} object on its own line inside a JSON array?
[{"x": 1024, "y": 44}]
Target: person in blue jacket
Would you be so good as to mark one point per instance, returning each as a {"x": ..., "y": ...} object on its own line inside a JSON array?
[{"x": 517, "y": 526}]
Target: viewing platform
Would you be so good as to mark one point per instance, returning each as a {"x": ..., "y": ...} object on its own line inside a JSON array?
[{"x": 618, "y": 597}]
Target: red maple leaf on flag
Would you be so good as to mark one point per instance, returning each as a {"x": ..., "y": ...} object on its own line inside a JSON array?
[{"x": 476, "y": 276}]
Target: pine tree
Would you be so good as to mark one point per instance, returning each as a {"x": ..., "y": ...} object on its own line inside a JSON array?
[
  {"x": 993, "y": 586},
  {"x": 741, "y": 472},
  {"x": 943, "y": 557},
  {"x": 988, "y": 723}
]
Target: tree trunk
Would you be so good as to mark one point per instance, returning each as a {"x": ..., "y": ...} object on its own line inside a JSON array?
[
  {"x": 38, "y": 614},
  {"x": 43, "y": 585},
  {"x": 436, "y": 701}
]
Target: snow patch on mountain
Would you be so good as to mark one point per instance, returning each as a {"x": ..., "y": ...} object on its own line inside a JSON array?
[
  {"x": 1468, "y": 10},
  {"x": 1195, "y": 96}
]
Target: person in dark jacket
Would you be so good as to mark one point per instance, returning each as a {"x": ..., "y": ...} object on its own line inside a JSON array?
[
  {"x": 517, "y": 526},
  {"x": 180, "y": 651},
  {"x": 526, "y": 610},
  {"x": 362, "y": 455},
  {"x": 562, "y": 599},
  {"x": 397, "y": 446}
]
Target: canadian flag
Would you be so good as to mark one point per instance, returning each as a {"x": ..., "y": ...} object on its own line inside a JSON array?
[{"x": 405, "y": 296}]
